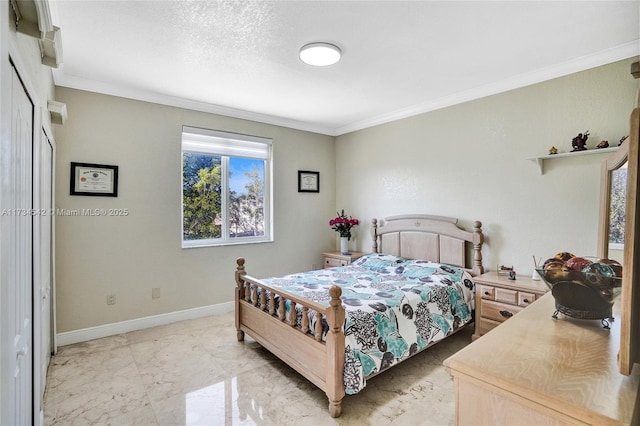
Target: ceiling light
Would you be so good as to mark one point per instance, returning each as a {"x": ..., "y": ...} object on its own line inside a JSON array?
[{"x": 320, "y": 54}]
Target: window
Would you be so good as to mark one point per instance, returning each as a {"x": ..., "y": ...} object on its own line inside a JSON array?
[
  {"x": 226, "y": 188},
  {"x": 618, "y": 206}
]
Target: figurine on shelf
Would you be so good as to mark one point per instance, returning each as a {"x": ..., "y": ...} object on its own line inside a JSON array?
[
  {"x": 603, "y": 144},
  {"x": 622, "y": 139},
  {"x": 553, "y": 150},
  {"x": 579, "y": 143}
]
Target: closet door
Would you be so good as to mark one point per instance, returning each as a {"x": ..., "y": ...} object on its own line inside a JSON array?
[
  {"x": 17, "y": 241},
  {"x": 43, "y": 256}
]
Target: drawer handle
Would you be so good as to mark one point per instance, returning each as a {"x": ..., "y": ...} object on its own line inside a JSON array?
[
  {"x": 506, "y": 314},
  {"x": 486, "y": 293},
  {"x": 525, "y": 300}
]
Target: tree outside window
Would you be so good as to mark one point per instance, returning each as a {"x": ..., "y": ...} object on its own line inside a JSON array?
[
  {"x": 618, "y": 205},
  {"x": 224, "y": 197}
]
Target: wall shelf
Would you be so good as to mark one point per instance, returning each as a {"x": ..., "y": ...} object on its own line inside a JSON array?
[{"x": 540, "y": 160}]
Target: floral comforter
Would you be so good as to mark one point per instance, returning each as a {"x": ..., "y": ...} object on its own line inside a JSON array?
[{"x": 394, "y": 308}]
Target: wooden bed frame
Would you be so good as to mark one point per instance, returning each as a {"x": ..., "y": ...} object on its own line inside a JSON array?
[{"x": 436, "y": 238}]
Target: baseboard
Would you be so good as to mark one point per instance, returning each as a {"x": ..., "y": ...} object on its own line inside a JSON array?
[{"x": 90, "y": 333}]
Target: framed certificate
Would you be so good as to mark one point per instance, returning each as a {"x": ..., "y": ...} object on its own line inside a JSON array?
[
  {"x": 308, "y": 181},
  {"x": 94, "y": 179}
]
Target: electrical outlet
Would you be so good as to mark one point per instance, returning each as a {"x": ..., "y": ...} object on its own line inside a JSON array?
[
  {"x": 111, "y": 299},
  {"x": 155, "y": 293}
]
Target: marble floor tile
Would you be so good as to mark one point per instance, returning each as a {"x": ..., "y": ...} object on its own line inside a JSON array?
[{"x": 196, "y": 373}]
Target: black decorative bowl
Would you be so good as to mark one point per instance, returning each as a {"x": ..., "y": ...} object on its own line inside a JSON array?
[{"x": 584, "y": 294}]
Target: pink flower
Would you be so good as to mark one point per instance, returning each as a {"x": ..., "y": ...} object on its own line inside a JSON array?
[{"x": 342, "y": 224}]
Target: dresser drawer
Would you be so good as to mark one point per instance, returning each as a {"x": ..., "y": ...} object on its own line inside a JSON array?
[
  {"x": 487, "y": 292},
  {"x": 525, "y": 299},
  {"x": 332, "y": 263},
  {"x": 505, "y": 295},
  {"x": 333, "y": 259},
  {"x": 486, "y": 325},
  {"x": 498, "y": 311}
]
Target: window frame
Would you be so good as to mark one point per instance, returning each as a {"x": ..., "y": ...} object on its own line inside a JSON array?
[{"x": 225, "y": 141}]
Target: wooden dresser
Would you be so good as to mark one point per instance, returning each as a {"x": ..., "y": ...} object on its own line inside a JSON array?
[
  {"x": 534, "y": 370},
  {"x": 498, "y": 298}
]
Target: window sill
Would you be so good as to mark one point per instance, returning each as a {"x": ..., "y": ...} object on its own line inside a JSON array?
[{"x": 210, "y": 243}]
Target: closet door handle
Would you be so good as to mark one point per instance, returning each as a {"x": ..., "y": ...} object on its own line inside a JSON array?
[
  {"x": 22, "y": 352},
  {"x": 506, "y": 314}
]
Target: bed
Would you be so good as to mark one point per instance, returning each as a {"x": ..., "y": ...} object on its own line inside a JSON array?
[{"x": 339, "y": 327}]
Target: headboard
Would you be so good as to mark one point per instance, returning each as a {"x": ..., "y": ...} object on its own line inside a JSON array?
[{"x": 436, "y": 238}]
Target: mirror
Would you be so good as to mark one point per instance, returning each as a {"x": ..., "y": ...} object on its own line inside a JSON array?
[
  {"x": 617, "y": 213},
  {"x": 613, "y": 182}
]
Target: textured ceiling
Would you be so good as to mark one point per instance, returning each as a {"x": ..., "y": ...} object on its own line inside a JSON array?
[{"x": 400, "y": 58}]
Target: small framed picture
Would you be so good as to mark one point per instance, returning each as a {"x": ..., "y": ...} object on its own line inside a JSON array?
[
  {"x": 308, "y": 181},
  {"x": 94, "y": 180}
]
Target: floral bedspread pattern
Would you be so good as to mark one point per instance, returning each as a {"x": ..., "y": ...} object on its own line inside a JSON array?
[{"x": 394, "y": 308}]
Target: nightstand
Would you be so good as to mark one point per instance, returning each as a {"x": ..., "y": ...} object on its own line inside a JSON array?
[
  {"x": 336, "y": 258},
  {"x": 498, "y": 298}
]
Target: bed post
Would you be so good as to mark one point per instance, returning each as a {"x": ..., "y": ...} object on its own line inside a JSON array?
[
  {"x": 374, "y": 234},
  {"x": 335, "y": 316},
  {"x": 239, "y": 294},
  {"x": 478, "y": 240}
]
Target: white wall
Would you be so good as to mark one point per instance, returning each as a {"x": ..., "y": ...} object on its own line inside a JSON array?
[
  {"x": 470, "y": 161},
  {"x": 130, "y": 255}
]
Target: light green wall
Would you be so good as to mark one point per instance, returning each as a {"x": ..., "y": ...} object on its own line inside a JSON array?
[
  {"x": 130, "y": 255},
  {"x": 470, "y": 161}
]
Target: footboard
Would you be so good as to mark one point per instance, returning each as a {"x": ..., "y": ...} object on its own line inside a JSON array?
[{"x": 261, "y": 313}]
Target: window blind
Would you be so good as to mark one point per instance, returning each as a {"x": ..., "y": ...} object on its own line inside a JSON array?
[{"x": 222, "y": 143}]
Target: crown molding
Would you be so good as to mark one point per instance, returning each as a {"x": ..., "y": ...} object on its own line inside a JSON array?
[
  {"x": 583, "y": 63},
  {"x": 604, "y": 57},
  {"x": 63, "y": 80}
]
